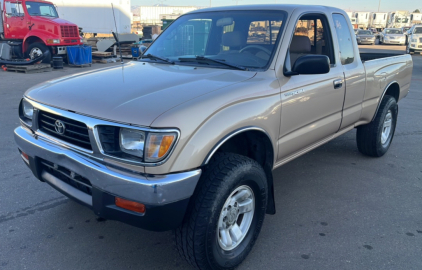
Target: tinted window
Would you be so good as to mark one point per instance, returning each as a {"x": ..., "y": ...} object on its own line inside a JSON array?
[
  {"x": 345, "y": 42},
  {"x": 418, "y": 30},
  {"x": 364, "y": 33}
]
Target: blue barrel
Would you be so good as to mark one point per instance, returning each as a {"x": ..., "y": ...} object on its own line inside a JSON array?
[
  {"x": 135, "y": 51},
  {"x": 79, "y": 55}
]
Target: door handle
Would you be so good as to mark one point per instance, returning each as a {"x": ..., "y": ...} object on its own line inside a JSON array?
[{"x": 338, "y": 83}]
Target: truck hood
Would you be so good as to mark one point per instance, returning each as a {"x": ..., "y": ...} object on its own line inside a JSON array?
[
  {"x": 134, "y": 93},
  {"x": 56, "y": 21}
]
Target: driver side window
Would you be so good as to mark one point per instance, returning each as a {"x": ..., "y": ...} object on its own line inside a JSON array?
[
  {"x": 14, "y": 9},
  {"x": 312, "y": 36}
]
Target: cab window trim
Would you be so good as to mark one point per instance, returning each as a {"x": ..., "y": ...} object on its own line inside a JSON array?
[{"x": 325, "y": 23}]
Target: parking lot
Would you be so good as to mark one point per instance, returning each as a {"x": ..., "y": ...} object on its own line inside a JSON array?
[{"x": 336, "y": 209}]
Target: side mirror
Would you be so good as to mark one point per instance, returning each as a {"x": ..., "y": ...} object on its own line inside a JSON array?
[
  {"x": 143, "y": 48},
  {"x": 310, "y": 65}
]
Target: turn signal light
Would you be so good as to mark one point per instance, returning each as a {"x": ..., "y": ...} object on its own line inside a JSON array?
[
  {"x": 130, "y": 205},
  {"x": 25, "y": 157}
]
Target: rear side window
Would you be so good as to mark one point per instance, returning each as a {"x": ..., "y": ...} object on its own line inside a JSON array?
[{"x": 345, "y": 41}]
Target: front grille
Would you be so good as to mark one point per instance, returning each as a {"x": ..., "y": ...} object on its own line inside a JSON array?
[
  {"x": 74, "y": 132},
  {"x": 69, "y": 31},
  {"x": 67, "y": 176}
]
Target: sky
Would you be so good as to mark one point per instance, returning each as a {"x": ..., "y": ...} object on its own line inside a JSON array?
[{"x": 350, "y": 5}]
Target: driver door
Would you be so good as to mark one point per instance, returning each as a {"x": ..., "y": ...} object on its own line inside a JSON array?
[{"x": 15, "y": 20}]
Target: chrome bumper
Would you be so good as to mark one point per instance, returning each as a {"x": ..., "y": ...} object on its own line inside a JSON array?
[{"x": 152, "y": 190}]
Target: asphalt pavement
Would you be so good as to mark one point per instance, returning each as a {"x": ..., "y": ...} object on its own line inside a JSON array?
[{"x": 336, "y": 209}]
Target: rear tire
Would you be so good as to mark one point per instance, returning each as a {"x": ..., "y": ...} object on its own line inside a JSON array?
[
  {"x": 375, "y": 138},
  {"x": 207, "y": 238},
  {"x": 37, "y": 49}
]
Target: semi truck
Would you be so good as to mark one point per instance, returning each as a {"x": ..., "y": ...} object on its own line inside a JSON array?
[
  {"x": 362, "y": 19},
  {"x": 398, "y": 19},
  {"x": 378, "y": 20},
  {"x": 35, "y": 27}
]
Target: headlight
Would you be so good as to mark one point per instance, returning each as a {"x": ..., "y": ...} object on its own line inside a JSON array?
[
  {"x": 132, "y": 142},
  {"x": 136, "y": 145},
  {"x": 28, "y": 109},
  {"x": 53, "y": 41},
  {"x": 158, "y": 146}
]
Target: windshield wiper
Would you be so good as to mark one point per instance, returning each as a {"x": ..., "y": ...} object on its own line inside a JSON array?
[
  {"x": 154, "y": 57},
  {"x": 206, "y": 59}
]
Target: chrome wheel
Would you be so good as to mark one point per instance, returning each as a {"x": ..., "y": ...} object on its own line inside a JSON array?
[
  {"x": 386, "y": 127},
  {"x": 35, "y": 52},
  {"x": 236, "y": 217}
]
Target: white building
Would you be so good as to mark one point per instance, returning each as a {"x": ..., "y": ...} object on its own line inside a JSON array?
[{"x": 152, "y": 15}]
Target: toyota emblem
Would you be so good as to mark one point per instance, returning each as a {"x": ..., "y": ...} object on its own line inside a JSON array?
[{"x": 60, "y": 127}]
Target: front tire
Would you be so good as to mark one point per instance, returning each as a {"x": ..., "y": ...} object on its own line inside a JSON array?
[
  {"x": 225, "y": 215},
  {"x": 374, "y": 139},
  {"x": 37, "y": 49}
]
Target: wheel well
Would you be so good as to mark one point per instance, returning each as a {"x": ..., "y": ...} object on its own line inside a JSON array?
[
  {"x": 257, "y": 146},
  {"x": 394, "y": 91},
  {"x": 29, "y": 41}
]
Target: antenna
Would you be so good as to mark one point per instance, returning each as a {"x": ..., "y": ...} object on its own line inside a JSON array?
[{"x": 116, "y": 34}]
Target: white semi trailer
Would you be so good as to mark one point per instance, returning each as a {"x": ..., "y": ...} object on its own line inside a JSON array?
[
  {"x": 352, "y": 18},
  {"x": 378, "y": 20},
  {"x": 362, "y": 19},
  {"x": 415, "y": 18},
  {"x": 96, "y": 16}
]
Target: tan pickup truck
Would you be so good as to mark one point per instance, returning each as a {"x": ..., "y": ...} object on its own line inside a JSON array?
[{"x": 187, "y": 137}]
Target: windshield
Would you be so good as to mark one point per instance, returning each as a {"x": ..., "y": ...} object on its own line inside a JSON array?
[
  {"x": 418, "y": 30},
  {"x": 364, "y": 33},
  {"x": 393, "y": 31},
  {"x": 246, "y": 39},
  {"x": 402, "y": 20},
  {"x": 41, "y": 9}
]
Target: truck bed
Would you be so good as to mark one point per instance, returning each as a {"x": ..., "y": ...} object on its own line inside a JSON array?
[{"x": 373, "y": 56}]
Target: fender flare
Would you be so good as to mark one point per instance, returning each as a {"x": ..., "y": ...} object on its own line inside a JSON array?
[
  {"x": 382, "y": 96},
  {"x": 228, "y": 137},
  {"x": 36, "y": 34}
]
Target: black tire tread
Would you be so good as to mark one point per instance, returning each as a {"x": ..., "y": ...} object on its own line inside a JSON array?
[
  {"x": 367, "y": 135},
  {"x": 218, "y": 167}
]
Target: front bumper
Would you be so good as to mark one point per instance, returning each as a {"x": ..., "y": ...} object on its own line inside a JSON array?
[
  {"x": 368, "y": 41},
  {"x": 396, "y": 42},
  {"x": 165, "y": 196},
  {"x": 415, "y": 46}
]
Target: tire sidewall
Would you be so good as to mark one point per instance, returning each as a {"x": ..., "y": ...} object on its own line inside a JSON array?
[
  {"x": 391, "y": 105},
  {"x": 42, "y": 47},
  {"x": 254, "y": 178}
]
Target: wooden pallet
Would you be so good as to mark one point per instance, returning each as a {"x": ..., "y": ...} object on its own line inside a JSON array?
[
  {"x": 101, "y": 54},
  {"x": 30, "y": 68}
]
